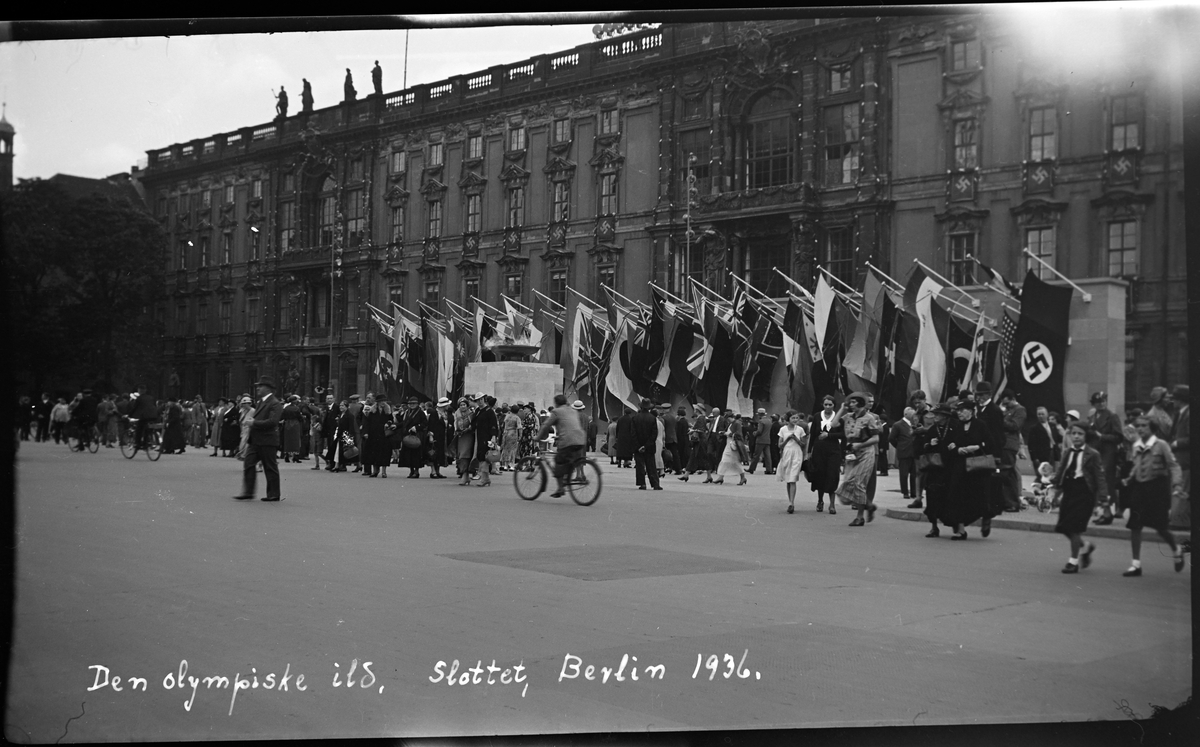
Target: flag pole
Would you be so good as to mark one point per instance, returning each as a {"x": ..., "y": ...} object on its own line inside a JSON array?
[
  {"x": 708, "y": 292},
  {"x": 775, "y": 305},
  {"x": 804, "y": 291},
  {"x": 555, "y": 305},
  {"x": 884, "y": 275},
  {"x": 840, "y": 282},
  {"x": 518, "y": 304},
  {"x": 628, "y": 301},
  {"x": 1087, "y": 297},
  {"x": 853, "y": 304},
  {"x": 931, "y": 271},
  {"x": 667, "y": 293},
  {"x": 1003, "y": 291}
]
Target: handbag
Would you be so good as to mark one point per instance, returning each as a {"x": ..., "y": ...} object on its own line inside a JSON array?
[
  {"x": 389, "y": 428},
  {"x": 349, "y": 450},
  {"x": 411, "y": 441},
  {"x": 981, "y": 463},
  {"x": 927, "y": 462}
]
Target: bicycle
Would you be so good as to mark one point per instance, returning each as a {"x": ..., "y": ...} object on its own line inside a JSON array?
[
  {"x": 83, "y": 437},
  {"x": 532, "y": 474},
  {"x": 129, "y": 444}
]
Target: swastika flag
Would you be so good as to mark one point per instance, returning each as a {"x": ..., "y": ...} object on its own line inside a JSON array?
[{"x": 1039, "y": 348}]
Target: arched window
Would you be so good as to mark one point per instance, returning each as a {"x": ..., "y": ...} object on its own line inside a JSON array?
[{"x": 770, "y": 141}]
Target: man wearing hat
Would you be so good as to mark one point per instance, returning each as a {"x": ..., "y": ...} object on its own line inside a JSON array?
[
  {"x": 1160, "y": 412},
  {"x": 645, "y": 441},
  {"x": 84, "y": 416},
  {"x": 1181, "y": 514},
  {"x": 762, "y": 442},
  {"x": 356, "y": 418},
  {"x": 263, "y": 441},
  {"x": 1110, "y": 437},
  {"x": 413, "y": 422}
]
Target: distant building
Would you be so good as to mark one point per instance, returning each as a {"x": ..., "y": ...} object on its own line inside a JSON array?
[
  {"x": 808, "y": 143},
  {"x": 7, "y": 133}
]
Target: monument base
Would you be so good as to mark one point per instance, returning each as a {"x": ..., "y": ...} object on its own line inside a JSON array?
[{"x": 514, "y": 381}]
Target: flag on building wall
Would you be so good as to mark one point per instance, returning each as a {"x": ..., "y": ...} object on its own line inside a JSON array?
[
  {"x": 864, "y": 347},
  {"x": 1039, "y": 347},
  {"x": 796, "y": 351}
]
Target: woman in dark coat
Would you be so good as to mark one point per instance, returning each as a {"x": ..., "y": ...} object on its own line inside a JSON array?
[
  {"x": 174, "y": 440},
  {"x": 825, "y": 455},
  {"x": 377, "y": 448},
  {"x": 231, "y": 429},
  {"x": 290, "y": 420},
  {"x": 928, "y": 442},
  {"x": 412, "y": 423},
  {"x": 486, "y": 429},
  {"x": 968, "y": 493},
  {"x": 682, "y": 441},
  {"x": 625, "y": 438}
]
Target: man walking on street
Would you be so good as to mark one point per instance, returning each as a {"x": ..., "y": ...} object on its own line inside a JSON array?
[
  {"x": 1111, "y": 436},
  {"x": 1014, "y": 423},
  {"x": 262, "y": 443},
  {"x": 645, "y": 440},
  {"x": 762, "y": 443}
]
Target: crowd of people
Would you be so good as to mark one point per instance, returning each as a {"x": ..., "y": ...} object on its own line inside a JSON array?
[{"x": 957, "y": 459}]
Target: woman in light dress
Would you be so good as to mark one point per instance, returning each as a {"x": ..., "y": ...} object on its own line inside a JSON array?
[
  {"x": 791, "y": 456},
  {"x": 512, "y": 437},
  {"x": 861, "y": 433},
  {"x": 731, "y": 458},
  {"x": 245, "y": 420}
]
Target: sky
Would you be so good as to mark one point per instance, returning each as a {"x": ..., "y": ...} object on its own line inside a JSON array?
[{"x": 94, "y": 107}]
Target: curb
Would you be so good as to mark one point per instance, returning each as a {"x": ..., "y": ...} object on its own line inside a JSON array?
[{"x": 1032, "y": 526}]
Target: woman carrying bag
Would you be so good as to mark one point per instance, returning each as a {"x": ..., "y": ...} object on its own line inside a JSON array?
[{"x": 972, "y": 467}]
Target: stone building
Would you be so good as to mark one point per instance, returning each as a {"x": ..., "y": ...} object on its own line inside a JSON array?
[{"x": 786, "y": 144}]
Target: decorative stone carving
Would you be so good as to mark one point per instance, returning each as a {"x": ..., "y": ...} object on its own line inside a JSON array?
[
  {"x": 472, "y": 183},
  {"x": 556, "y": 259},
  {"x": 605, "y": 254},
  {"x": 513, "y": 175},
  {"x": 1034, "y": 211},
  {"x": 757, "y": 63},
  {"x": 915, "y": 32},
  {"x": 785, "y": 194}
]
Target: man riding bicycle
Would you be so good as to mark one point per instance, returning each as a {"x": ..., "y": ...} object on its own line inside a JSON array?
[
  {"x": 145, "y": 412},
  {"x": 570, "y": 439}
]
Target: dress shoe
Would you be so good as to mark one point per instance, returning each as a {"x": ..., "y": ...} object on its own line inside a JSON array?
[
  {"x": 1070, "y": 568},
  {"x": 658, "y": 487},
  {"x": 1085, "y": 557},
  {"x": 960, "y": 535},
  {"x": 1133, "y": 571},
  {"x": 871, "y": 512},
  {"x": 641, "y": 487},
  {"x": 1179, "y": 562},
  {"x": 557, "y": 494},
  {"x": 791, "y": 509},
  {"x": 271, "y": 499},
  {"x": 857, "y": 522},
  {"x": 1103, "y": 521},
  {"x": 985, "y": 527},
  {"x": 243, "y": 497},
  {"x": 934, "y": 533},
  {"x": 916, "y": 504}
]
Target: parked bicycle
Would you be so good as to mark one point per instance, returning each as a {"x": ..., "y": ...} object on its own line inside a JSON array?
[{"x": 532, "y": 474}]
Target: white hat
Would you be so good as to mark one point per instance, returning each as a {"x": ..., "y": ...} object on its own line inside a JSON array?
[
  {"x": 443, "y": 402},
  {"x": 1073, "y": 413},
  {"x": 479, "y": 395},
  {"x": 762, "y": 411},
  {"x": 577, "y": 404},
  {"x": 246, "y": 401}
]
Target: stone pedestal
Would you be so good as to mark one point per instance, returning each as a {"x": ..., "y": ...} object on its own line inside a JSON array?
[{"x": 510, "y": 381}]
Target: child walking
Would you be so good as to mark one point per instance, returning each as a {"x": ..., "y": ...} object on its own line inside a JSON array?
[
  {"x": 1080, "y": 479},
  {"x": 1153, "y": 477}
]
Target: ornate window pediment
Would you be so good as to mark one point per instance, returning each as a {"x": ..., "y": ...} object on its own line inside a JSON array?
[
  {"x": 1038, "y": 211},
  {"x": 431, "y": 271},
  {"x": 556, "y": 259},
  {"x": 513, "y": 175},
  {"x": 512, "y": 262},
  {"x": 608, "y": 159},
  {"x": 962, "y": 218},
  {"x": 253, "y": 217},
  {"x": 963, "y": 102},
  {"x": 1122, "y": 203},
  {"x": 605, "y": 254},
  {"x": 559, "y": 169},
  {"x": 396, "y": 196},
  {"x": 433, "y": 189},
  {"x": 472, "y": 183},
  {"x": 471, "y": 268}
]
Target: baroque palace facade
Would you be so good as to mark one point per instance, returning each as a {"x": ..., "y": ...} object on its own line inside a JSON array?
[{"x": 807, "y": 142}]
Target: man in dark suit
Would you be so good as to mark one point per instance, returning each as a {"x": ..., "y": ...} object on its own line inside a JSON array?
[
  {"x": 1014, "y": 424},
  {"x": 901, "y": 437},
  {"x": 1110, "y": 436},
  {"x": 262, "y": 444},
  {"x": 1044, "y": 440},
  {"x": 645, "y": 442}
]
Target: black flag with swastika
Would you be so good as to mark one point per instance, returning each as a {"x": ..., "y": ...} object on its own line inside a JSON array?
[{"x": 1039, "y": 349}]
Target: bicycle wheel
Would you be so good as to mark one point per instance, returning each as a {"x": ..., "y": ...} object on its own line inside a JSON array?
[
  {"x": 153, "y": 450},
  {"x": 94, "y": 442},
  {"x": 128, "y": 448},
  {"x": 529, "y": 477},
  {"x": 585, "y": 483}
]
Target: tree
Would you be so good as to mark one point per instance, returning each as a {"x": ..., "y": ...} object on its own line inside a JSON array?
[{"x": 82, "y": 274}]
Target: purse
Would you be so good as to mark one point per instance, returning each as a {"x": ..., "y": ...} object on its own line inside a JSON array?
[
  {"x": 349, "y": 450},
  {"x": 981, "y": 463},
  {"x": 411, "y": 441},
  {"x": 926, "y": 462}
]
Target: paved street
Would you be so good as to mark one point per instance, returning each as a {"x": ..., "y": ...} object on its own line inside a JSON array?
[{"x": 127, "y": 568}]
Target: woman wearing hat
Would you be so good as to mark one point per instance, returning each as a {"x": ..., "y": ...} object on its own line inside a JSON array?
[
  {"x": 292, "y": 427},
  {"x": 231, "y": 429},
  {"x": 825, "y": 454},
  {"x": 174, "y": 437},
  {"x": 377, "y": 448},
  {"x": 734, "y": 452},
  {"x": 464, "y": 440},
  {"x": 487, "y": 429},
  {"x": 930, "y": 445},
  {"x": 512, "y": 437},
  {"x": 968, "y": 491},
  {"x": 413, "y": 423},
  {"x": 435, "y": 418},
  {"x": 698, "y": 437},
  {"x": 245, "y": 421},
  {"x": 859, "y": 429}
]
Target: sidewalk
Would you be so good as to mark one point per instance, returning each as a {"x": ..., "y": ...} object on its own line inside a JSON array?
[{"x": 893, "y": 505}]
